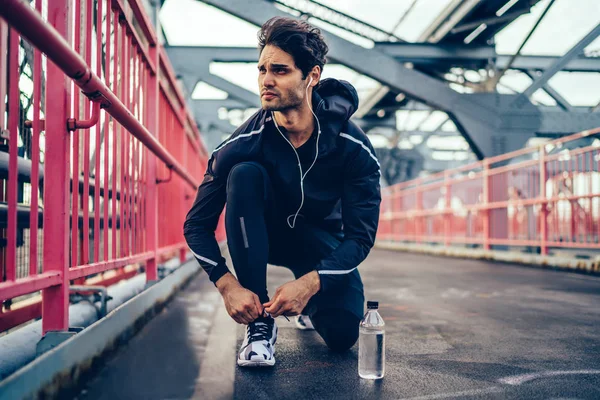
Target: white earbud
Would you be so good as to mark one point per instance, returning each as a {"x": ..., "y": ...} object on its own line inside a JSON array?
[{"x": 309, "y": 82}]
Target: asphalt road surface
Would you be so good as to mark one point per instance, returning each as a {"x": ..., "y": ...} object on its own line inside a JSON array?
[{"x": 455, "y": 329}]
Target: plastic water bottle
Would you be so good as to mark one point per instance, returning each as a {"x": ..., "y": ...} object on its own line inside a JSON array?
[{"x": 371, "y": 344}]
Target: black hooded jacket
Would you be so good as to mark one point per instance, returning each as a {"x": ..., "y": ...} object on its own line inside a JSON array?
[{"x": 341, "y": 191}]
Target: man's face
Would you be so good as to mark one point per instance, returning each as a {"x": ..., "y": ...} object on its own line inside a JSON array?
[{"x": 279, "y": 80}]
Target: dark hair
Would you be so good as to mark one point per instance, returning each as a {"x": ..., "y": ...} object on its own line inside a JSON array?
[{"x": 302, "y": 41}]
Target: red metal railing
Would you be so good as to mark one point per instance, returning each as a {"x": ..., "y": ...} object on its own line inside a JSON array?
[
  {"x": 103, "y": 156},
  {"x": 545, "y": 197}
]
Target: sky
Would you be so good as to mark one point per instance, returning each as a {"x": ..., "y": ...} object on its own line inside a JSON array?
[{"x": 191, "y": 22}]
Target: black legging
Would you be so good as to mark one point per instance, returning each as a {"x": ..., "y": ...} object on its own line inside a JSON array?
[{"x": 257, "y": 235}]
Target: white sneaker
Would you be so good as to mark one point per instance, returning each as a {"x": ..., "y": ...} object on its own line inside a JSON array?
[
  {"x": 258, "y": 349},
  {"x": 303, "y": 322}
]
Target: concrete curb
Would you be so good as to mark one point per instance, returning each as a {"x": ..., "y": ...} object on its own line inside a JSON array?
[
  {"x": 61, "y": 368},
  {"x": 566, "y": 263}
]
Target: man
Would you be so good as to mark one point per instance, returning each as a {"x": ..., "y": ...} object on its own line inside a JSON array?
[{"x": 301, "y": 183}]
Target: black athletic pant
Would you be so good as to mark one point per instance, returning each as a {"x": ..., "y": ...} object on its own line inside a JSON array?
[{"x": 257, "y": 234}]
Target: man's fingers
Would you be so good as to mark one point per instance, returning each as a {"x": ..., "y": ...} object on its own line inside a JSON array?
[
  {"x": 278, "y": 309},
  {"x": 247, "y": 317},
  {"x": 236, "y": 318},
  {"x": 269, "y": 304},
  {"x": 273, "y": 309},
  {"x": 253, "y": 311},
  {"x": 241, "y": 317},
  {"x": 258, "y": 307}
]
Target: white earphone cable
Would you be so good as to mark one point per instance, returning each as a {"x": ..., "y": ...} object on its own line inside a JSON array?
[{"x": 302, "y": 175}]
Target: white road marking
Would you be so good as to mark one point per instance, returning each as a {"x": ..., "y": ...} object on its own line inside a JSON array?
[
  {"x": 217, "y": 369},
  {"x": 474, "y": 392},
  {"x": 580, "y": 277},
  {"x": 520, "y": 379}
]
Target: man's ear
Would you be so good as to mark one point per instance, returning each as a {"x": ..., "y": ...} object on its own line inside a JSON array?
[{"x": 315, "y": 74}]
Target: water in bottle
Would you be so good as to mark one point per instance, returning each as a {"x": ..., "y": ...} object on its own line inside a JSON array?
[{"x": 371, "y": 344}]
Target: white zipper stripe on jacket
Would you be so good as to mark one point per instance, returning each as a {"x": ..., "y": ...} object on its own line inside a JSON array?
[
  {"x": 336, "y": 272},
  {"x": 259, "y": 130},
  {"x": 345, "y": 135},
  {"x": 198, "y": 256}
]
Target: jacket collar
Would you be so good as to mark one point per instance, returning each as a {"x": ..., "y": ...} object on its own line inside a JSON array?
[{"x": 334, "y": 102}]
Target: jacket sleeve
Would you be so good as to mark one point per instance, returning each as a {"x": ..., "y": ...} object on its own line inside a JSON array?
[
  {"x": 201, "y": 222},
  {"x": 361, "y": 198}
]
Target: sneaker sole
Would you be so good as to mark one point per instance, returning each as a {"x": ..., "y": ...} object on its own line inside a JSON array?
[
  {"x": 304, "y": 327},
  {"x": 250, "y": 363}
]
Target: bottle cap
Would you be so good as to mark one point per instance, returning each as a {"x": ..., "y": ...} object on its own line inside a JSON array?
[{"x": 372, "y": 305}]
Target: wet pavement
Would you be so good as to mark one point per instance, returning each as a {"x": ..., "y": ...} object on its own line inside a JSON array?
[{"x": 454, "y": 329}]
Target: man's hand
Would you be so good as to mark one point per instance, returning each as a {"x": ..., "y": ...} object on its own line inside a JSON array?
[
  {"x": 241, "y": 304},
  {"x": 291, "y": 298}
]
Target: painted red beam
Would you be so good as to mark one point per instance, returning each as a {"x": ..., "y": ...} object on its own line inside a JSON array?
[
  {"x": 11, "y": 318},
  {"x": 31, "y": 25},
  {"x": 89, "y": 269},
  {"x": 11, "y": 289}
]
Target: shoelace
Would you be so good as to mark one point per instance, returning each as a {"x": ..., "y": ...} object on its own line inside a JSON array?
[
  {"x": 266, "y": 314},
  {"x": 258, "y": 331}
]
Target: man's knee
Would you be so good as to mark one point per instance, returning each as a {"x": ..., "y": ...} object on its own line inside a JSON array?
[
  {"x": 342, "y": 341},
  {"x": 338, "y": 328},
  {"x": 246, "y": 179},
  {"x": 246, "y": 171}
]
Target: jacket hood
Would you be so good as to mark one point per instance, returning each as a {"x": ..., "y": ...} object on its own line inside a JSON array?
[{"x": 335, "y": 100}]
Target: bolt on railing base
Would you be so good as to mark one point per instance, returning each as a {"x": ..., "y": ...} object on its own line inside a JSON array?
[
  {"x": 53, "y": 338},
  {"x": 149, "y": 284}
]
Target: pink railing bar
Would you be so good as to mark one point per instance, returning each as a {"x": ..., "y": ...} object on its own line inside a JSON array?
[
  {"x": 115, "y": 130},
  {"x": 124, "y": 218},
  {"x": 11, "y": 289},
  {"x": 98, "y": 130},
  {"x": 94, "y": 268},
  {"x": 124, "y": 142},
  {"x": 123, "y": 11},
  {"x": 107, "y": 132},
  {"x": 151, "y": 196},
  {"x": 85, "y": 198},
  {"x": 13, "y": 121},
  {"x": 35, "y": 159},
  {"x": 143, "y": 22},
  {"x": 171, "y": 248},
  {"x": 168, "y": 69},
  {"x": 75, "y": 150},
  {"x": 50, "y": 42},
  {"x": 55, "y": 305},
  {"x": 545, "y": 202}
]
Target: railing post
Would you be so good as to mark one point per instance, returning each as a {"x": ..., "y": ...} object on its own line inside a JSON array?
[
  {"x": 391, "y": 193},
  {"x": 55, "y": 299},
  {"x": 447, "y": 210},
  {"x": 486, "y": 202},
  {"x": 390, "y": 211},
  {"x": 152, "y": 188},
  {"x": 419, "y": 217},
  {"x": 544, "y": 204}
]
